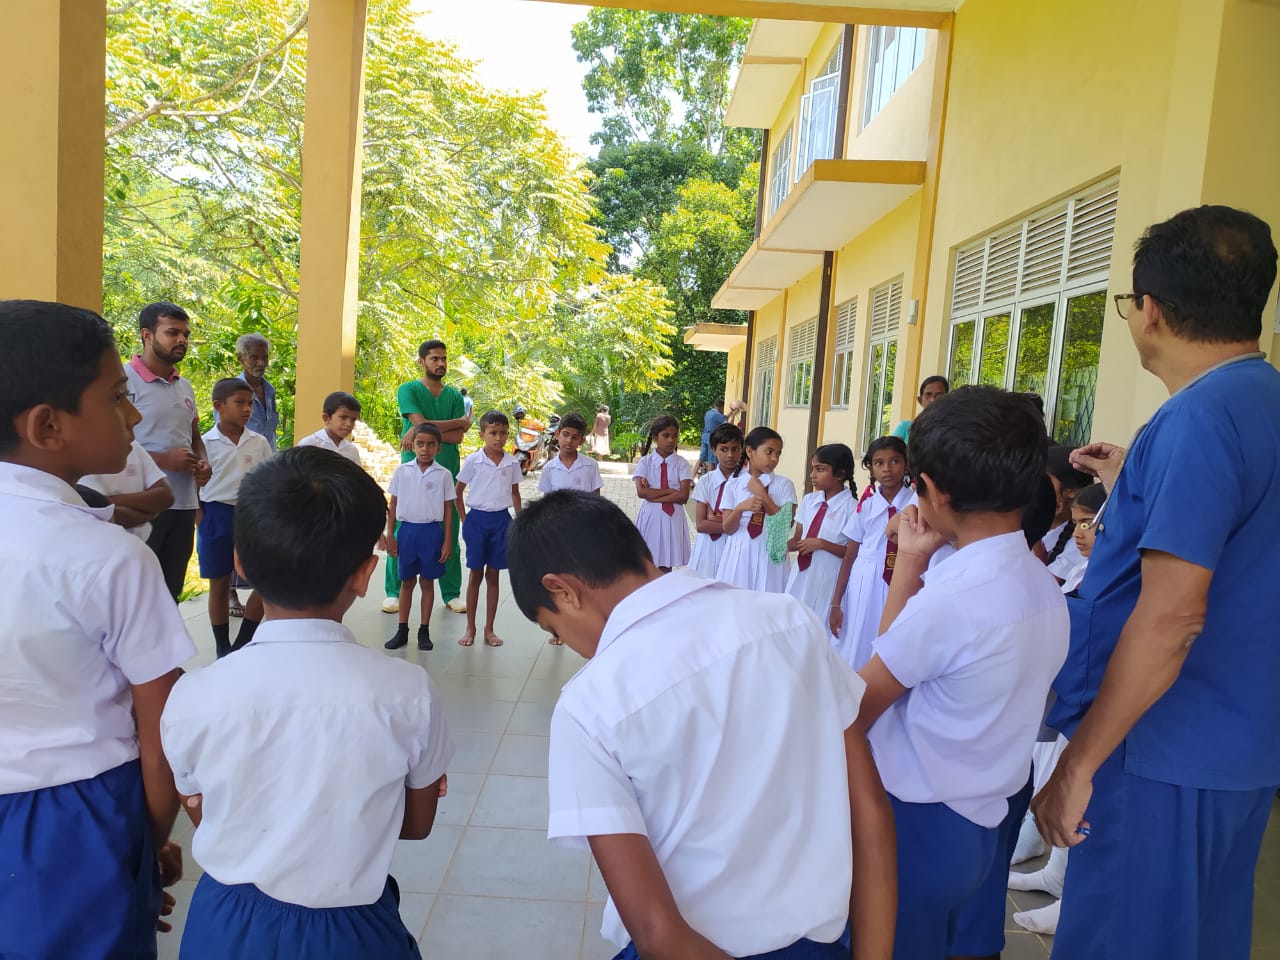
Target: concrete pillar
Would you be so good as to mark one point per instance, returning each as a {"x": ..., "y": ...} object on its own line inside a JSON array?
[
  {"x": 329, "y": 254},
  {"x": 53, "y": 114}
]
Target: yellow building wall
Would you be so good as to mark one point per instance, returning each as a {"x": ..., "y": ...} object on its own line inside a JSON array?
[
  {"x": 768, "y": 324},
  {"x": 793, "y": 422},
  {"x": 900, "y": 131},
  {"x": 735, "y": 365}
]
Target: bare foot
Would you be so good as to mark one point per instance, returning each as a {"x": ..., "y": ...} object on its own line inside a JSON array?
[
  {"x": 555, "y": 641},
  {"x": 467, "y": 638},
  {"x": 492, "y": 639}
]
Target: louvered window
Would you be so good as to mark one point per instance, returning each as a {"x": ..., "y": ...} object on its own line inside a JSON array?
[
  {"x": 882, "y": 358},
  {"x": 1025, "y": 307},
  {"x": 800, "y": 353},
  {"x": 762, "y": 404},
  {"x": 780, "y": 173},
  {"x": 842, "y": 369}
]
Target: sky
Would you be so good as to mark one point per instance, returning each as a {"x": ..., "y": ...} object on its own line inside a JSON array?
[{"x": 524, "y": 46}]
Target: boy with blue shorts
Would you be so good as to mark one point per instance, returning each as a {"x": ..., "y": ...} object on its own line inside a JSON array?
[
  {"x": 420, "y": 529},
  {"x": 87, "y": 657},
  {"x": 305, "y": 715},
  {"x": 494, "y": 477},
  {"x": 232, "y": 450}
]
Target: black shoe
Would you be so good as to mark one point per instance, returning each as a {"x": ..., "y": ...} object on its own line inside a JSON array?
[
  {"x": 401, "y": 638},
  {"x": 424, "y": 638}
]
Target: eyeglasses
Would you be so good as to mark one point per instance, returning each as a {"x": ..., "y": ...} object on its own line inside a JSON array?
[{"x": 1123, "y": 300}]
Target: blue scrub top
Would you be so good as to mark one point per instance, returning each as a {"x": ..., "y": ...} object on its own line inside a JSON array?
[{"x": 1202, "y": 482}]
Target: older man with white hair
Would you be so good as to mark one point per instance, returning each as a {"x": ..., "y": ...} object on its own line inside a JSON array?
[{"x": 254, "y": 353}]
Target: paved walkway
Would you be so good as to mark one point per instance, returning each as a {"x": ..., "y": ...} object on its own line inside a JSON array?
[{"x": 486, "y": 885}]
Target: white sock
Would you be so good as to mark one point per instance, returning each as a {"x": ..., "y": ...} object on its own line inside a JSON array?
[
  {"x": 1030, "y": 844},
  {"x": 1040, "y": 920},
  {"x": 1049, "y": 879}
]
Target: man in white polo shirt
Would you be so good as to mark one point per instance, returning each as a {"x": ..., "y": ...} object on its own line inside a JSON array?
[{"x": 170, "y": 432}]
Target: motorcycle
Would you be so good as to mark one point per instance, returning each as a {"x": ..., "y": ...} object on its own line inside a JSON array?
[{"x": 535, "y": 443}]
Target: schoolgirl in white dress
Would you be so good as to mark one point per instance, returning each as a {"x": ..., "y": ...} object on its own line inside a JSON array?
[
  {"x": 818, "y": 539},
  {"x": 663, "y": 480},
  {"x": 759, "y": 506},
  {"x": 863, "y": 582},
  {"x": 1062, "y": 556},
  {"x": 708, "y": 494}
]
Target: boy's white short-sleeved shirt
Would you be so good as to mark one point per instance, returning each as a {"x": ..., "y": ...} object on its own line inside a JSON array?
[
  {"x": 92, "y": 617},
  {"x": 302, "y": 745},
  {"x": 139, "y": 475},
  {"x": 230, "y": 462},
  {"x": 583, "y": 475},
  {"x": 489, "y": 484},
  {"x": 322, "y": 440},
  {"x": 977, "y": 647},
  {"x": 421, "y": 495},
  {"x": 686, "y": 736}
]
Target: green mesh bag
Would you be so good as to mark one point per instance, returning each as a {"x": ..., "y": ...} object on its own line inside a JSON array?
[{"x": 777, "y": 530}]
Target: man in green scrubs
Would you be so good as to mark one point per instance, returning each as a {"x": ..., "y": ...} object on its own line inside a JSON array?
[{"x": 429, "y": 401}]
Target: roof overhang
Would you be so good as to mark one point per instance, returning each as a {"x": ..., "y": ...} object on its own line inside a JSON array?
[
  {"x": 761, "y": 89},
  {"x": 716, "y": 337},
  {"x": 836, "y": 200},
  {"x": 762, "y": 274}
]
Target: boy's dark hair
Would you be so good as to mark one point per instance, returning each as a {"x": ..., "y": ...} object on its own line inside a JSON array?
[
  {"x": 430, "y": 429},
  {"x": 228, "y": 387},
  {"x": 570, "y": 532},
  {"x": 463, "y": 391},
  {"x": 428, "y": 345},
  {"x": 1059, "y": 465},
  {"x": 984, "y": 447},
  {"x": 339, "y": 399},
  {"x": 719, "y": 404},
  {"x": 1037, "y": 516},
  {"x": 39, "y": 337},
  {"x": 305, "y": 521},
  {"x": 896, "y": 444},
  {"x": 573, "y": 421},
  {"x": 726, "y": 433},
  {"x": 659, "y": 423},
  {"x": 1210, "y": 269},
  {"x": 924, "y": 384},
  {"x": 838, "y": 457},
  {"x": 492, "y": 417},
  {"x": 1091, "y": 498},
  {"x": 149, "y": 316}
]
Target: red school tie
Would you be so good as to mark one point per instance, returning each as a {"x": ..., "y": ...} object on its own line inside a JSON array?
[
  {"x": 716, "y": 509},
  {"x": 804, "y": 560},
  {"x": 668, "y": 508},
  {"x": 890, "y": 550},
  {"x": 755, "y": 526}
]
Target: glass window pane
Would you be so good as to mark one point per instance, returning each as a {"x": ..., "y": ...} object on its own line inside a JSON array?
[
  {"x": 1035, "y": 337},
  {"x": 886, "y": 394},
  {"x": 1078, "y": 377},
  {"x": 995, "y": 350},
  {"x": 960, "y": 367},
  {"x": 875, "y": 370}
]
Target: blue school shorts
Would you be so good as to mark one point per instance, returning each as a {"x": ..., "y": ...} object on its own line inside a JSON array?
[
  {"x": 78, "y": 874},
  {"x": 240, "y": 922},
  {"x": 800, "y": 950},
  {"x": 216, "y": 539},
  {"x": 1167, "y": 870},
  {"x": 418, "y": 547},
  {"x": 485, "y": 534}
]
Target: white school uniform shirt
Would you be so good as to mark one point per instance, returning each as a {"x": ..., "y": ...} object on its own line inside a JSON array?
[
  {"x": 91, "y": 618},
  {"x": 706, "y": 552},
  {"x": 977, "y": 647},
  {"x": 583, "y": 475},
  {"x": 322, "y": 440},
  {"x": 1070, "y": 557},
  {"x": 421, "y": 495},
  {"x": 684, "y": 735},
  {"x": 139, "y": 475},
  {"x": 304, "y": 711},
  {"x": 745, "y": 560},
  {"x": 230, "y": 462},
  {"x": 489, "y": 484},
  {"x": 814, "y": 587}
]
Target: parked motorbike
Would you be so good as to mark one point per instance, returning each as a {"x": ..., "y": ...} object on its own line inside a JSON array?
[{"x": 535, "y": 442}]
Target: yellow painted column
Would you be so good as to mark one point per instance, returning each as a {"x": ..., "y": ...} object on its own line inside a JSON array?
[
  {"x": 53, "y": 114},
  {"x": 329, "y": 252}
]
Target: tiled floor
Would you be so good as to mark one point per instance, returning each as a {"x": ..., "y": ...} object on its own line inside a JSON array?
[{"x": 486, "y": 883}]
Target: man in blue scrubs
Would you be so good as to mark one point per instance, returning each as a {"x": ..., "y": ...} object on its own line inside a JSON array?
[{"x": 1168, "y": 693}]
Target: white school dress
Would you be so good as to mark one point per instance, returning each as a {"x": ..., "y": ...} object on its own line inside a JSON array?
[
  {"x": 1069, "y": 559},
  {"x": 710, "y": 489},
  {"x": 813, "y": 587},
  {"x": 745, "y": 561},
  {"x": 864, "y": 597},
  {"x": 667, "y": 535}
]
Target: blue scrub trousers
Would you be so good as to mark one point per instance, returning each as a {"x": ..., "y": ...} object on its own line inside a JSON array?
[
  {"x": 240, "y": 922},
  {"x": 78, "y": 873},
  {"x": 800, "y": 950},
  {"x": 943, "y": 859},
  {"x": 1167, "y": 871}
]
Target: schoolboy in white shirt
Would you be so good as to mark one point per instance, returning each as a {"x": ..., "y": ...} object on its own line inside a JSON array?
[
  {"x": 570, "y": 470},
  {"x": 140, "y": 492},
  {"x": 232, "y": 450},
  {"x": 420, "y": 529},
  {"x": 731, "y": 805},
  {"x": 306, "y": 715},
  {"x": 494, "y": 477},
  {"x": 957, "y": 683},
  {"x": 87, "y": 657},
  {"x": 340, "y": 413}
]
